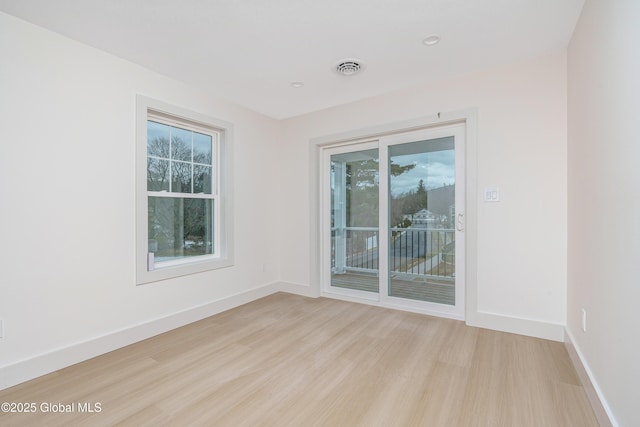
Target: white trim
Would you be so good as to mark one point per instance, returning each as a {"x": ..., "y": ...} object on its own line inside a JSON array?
[
  {"x": 471, "y": 215},
  {"x": 401, "y": 306},
  {"x": 298, "y": 289},
  {"x": 419, "y": 123},
  {"x": 223, "y": 228},
  {"x": 601, "y": 408},
  {"x": 180, "y": 195},
  {"x": 352, "y": 294},
  {"x": 46, "y": 363},
  {"x": 518, "y": 325},
  {"x": 176, "y": 262}
]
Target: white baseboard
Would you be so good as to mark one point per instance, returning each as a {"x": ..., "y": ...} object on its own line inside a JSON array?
[
  {"x": 298, "y": 289},
  {"x": 43, "y": 364},
  {"x": 497, "y": 322},
  {"x": 517, "y": 325},
  {"x": 594, "y": 393}
]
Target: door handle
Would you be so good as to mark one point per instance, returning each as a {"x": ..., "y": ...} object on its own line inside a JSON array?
[{"x": 460, "y": 222}]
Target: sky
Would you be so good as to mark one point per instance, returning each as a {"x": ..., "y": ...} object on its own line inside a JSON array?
[{"x": 436, "y": 169}]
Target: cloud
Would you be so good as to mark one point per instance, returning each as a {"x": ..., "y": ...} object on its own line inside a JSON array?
[{"x": 436, "y": 169}]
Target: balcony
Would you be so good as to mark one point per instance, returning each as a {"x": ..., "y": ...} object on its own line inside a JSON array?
[{"x": 421, "y": 262}]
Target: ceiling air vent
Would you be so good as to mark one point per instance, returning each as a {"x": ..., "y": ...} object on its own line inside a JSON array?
[{"x": 349, "y": 67}]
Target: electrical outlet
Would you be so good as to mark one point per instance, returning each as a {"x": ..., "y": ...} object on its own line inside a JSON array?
[
  {"x": 584, "y": 320},
  {"x": 264, "y": 268},
  {"x": 1, "y": 329}
]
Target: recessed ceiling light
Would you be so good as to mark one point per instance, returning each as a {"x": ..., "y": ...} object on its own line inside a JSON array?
[
  {"x": 349, "y": 67},
  {"x": 297, "y": 84},
  {"x": 431, "y": 40}
]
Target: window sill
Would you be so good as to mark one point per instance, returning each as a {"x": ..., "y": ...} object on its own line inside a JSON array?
[{"x": 186, "y": 268}]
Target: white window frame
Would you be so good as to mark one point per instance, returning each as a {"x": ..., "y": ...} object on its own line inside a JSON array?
[{"x": 151, "y": 109}]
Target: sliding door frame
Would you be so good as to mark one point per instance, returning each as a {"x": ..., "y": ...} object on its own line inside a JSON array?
[
  {"x": 457, "y": 130},
  {"x": 318, "y": 272},
  {"x": 325, "y": 218}
]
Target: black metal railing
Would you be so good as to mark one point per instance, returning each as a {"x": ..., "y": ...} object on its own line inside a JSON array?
[{"x": 417, "y": 251}]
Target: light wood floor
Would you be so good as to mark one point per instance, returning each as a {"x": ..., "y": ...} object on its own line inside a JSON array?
[{"x": 287, "y": 360}]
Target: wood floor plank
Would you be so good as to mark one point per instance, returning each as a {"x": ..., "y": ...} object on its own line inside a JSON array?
[{"x": 287, "y": 360}]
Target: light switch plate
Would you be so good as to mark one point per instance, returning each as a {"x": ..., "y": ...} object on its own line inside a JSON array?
[{"x": 491, "y": 194}]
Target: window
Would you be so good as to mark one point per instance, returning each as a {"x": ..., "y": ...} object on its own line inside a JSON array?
[{"x": 183, "y": 196}]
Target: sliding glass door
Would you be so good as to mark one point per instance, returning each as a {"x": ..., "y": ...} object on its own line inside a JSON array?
[
  {"x": 411, "y": 184},
  {"x": 422, "y": 218},
  {"x": 354, "y": 215}
]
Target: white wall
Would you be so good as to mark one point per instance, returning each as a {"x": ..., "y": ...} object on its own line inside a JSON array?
[
  {"x": 604, "y": 208},
  {"x": 521, "y": 148},
  {"x": 67, "y": 274}
]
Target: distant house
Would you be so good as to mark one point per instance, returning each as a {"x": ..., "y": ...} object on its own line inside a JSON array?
[{"x": 423, "y": 219}]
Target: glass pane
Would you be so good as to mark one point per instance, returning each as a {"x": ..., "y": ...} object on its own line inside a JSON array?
[
  {"x": 354, "y": 220},
  {"x": 157, "y": 174},
  {"x": 202, "y": 179},
  {"x": 180, "y": 227},
  {"x": 158, "y": 139},
  {"x": 202, "y": 148},
  {"x": 421, "y": 215},
  {"x": 181, "y": 177},
  {"x": 180, "y": 144}
]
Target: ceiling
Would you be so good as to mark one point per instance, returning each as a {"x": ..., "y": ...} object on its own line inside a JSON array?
[{"x": 250, "y": 51}]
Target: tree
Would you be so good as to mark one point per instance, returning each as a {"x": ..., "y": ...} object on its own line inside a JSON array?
[
  {"x": 362, "y": 190},
  {"x": 173, "y": 221},
  {"x": 397, "y": 170},
  {"x": 421, "y": 191}
]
